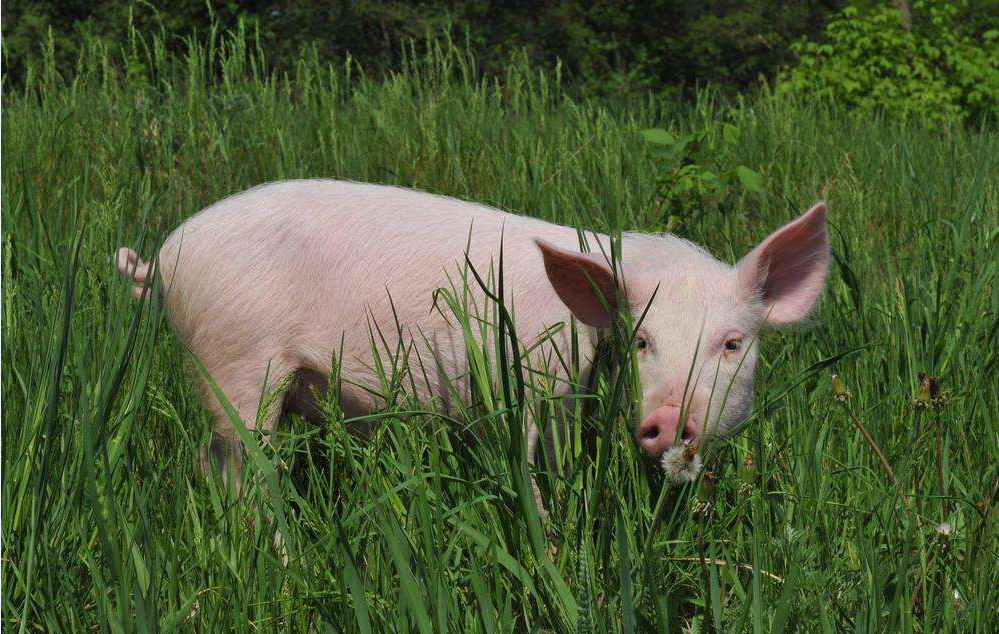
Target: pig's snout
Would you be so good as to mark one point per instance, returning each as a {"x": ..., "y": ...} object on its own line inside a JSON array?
[{"x": 657, "y": 433}]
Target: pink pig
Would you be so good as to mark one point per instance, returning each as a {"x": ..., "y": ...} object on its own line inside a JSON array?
[{"x": 281, "y": 278}]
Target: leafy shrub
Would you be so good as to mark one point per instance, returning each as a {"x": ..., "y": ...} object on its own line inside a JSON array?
[
  {"x": 693, "y": 178},
  {"x": 936, "y": 70}
]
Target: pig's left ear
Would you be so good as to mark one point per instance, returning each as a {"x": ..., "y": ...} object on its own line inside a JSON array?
[
  {"x": 583, "y": 281},
  {"x": 788, "y": 269}
]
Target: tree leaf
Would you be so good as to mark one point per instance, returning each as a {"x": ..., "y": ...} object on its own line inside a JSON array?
[
  {"x": 658, "y": 136},
  {"x": 731, "y": 134},
  {"x": 751, "y": 180}
]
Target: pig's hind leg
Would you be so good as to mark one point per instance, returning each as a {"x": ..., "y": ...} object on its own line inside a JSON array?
[{"x": 254, "y": 389}]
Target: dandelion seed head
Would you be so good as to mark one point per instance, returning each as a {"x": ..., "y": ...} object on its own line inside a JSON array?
[
  {"x": 681, "y": 464},
  {"x": 943, "y": 529}
]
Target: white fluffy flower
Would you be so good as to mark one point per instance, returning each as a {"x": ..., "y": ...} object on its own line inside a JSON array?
[
  {"x": 943, "y": 529},
  {"x": 681, "y": 464}
]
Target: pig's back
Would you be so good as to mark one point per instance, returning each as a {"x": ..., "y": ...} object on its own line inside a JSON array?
[{"x": 363, "y": 216}]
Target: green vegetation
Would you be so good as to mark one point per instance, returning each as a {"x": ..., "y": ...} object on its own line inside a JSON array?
[
  {"x": 692, "y": 181},
  {"x": 606, "y": 46},
  {"x": 107, "y": 526},
  {"x": 933, "y": 59},
  {"x": 937, "y": 70}
]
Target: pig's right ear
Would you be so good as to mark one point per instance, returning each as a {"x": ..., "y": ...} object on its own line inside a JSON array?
[{"x": 583, "y": 281}]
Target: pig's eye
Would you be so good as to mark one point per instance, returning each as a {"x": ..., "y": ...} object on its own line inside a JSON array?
[
  {"x": 641, "y": 343},
  {"x": 733, "y": 345}
]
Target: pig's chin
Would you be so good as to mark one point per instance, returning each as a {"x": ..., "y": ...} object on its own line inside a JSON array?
[{"x": 714, "y": 430}]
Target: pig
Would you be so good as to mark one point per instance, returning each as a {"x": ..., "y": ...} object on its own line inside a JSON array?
[{"x": 278, "y": 281}]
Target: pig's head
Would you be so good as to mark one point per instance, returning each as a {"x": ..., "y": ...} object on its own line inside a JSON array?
[{"x": 696, "y": 348}]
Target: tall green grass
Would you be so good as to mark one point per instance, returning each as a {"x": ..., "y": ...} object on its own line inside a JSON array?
[{"x": 108, "y": 527}]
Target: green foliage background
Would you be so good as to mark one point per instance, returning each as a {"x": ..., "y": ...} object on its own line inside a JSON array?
[
  {"x": 607, "y": 47},
  {"x": 943, "y": 67}
]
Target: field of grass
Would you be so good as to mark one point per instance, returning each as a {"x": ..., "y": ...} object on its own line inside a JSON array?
[{"x": 107, "y": 525}]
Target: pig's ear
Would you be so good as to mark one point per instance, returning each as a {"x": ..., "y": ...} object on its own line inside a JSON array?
[
  {"x": 788, "y": 269},
  {"x": 584, "y": 282}
]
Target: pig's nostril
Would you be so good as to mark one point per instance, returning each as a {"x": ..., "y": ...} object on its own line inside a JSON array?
[
  {"x": 690, "y": 435},
  {"x": 651, "y": 433}
]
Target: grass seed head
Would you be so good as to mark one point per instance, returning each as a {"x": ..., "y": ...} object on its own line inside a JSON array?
[{"x": 929, "y": 394}]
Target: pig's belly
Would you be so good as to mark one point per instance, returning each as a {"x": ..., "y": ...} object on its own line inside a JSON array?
[{"x": 427, "y": 361}]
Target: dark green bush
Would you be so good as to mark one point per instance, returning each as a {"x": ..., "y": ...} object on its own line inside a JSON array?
[{"x": 604, "y": 47}]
